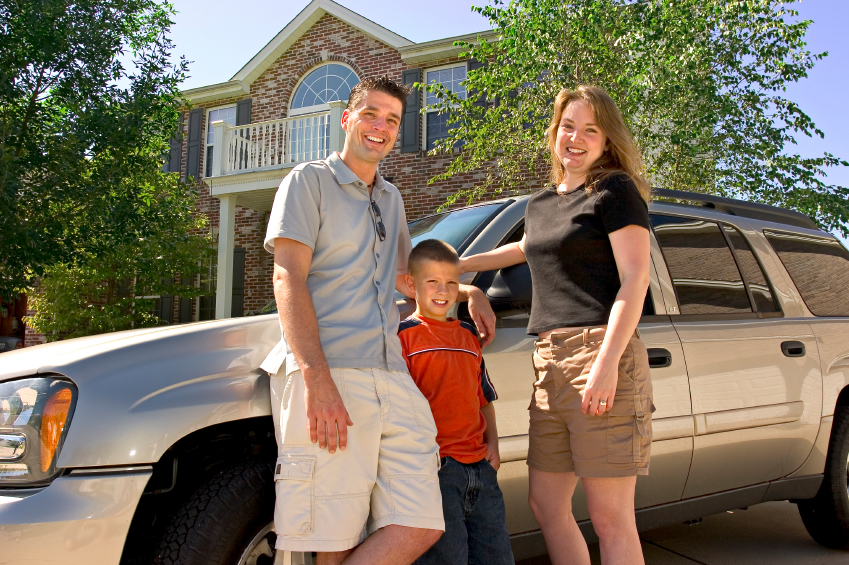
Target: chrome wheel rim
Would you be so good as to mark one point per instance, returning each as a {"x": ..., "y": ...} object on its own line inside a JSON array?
[{"x": 260, "y": 551}]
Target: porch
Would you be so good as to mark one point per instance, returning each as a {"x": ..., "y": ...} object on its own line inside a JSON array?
[{"x": 248, "y": 163}]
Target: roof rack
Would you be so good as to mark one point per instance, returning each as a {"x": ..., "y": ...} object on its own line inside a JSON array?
[{"x": 741, "y": 208}]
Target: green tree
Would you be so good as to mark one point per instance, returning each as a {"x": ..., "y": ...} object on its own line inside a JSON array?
[
  {"x": 700, "y": 83},
  {"x": 108, "y": 287},
  {"x": 88, "y": 100}
]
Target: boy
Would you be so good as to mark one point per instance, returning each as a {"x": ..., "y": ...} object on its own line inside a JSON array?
[{"x": 445, "y": 361}]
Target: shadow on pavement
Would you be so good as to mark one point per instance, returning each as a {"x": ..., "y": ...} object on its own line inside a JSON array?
[{"x": 766, "y": 534}]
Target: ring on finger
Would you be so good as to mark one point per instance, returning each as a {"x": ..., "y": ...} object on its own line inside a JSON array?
[{"x": 602, "y": 403}]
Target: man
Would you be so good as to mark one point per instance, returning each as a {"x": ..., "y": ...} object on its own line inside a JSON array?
[{"x": 340, "y": 241}]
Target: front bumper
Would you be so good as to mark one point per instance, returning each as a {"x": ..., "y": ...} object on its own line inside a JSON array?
[{"x": 80, "y": 519}]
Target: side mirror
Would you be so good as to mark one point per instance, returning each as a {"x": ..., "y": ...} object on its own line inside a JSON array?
[{"x": 511, "y": 290}]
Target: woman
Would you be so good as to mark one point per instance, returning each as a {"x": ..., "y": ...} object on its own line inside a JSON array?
[{"x": 587, "y": 245}]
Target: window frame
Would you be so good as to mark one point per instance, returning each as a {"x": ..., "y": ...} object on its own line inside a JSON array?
[
  {"x": 754, "y": 314},
  {"x": 827, "y": 239},
  {"x": 303, "y": 111},
  {"x": 426, "y": 111},
  {"x": 207, "y": 154},
  {"x": 744, "y": 277}
]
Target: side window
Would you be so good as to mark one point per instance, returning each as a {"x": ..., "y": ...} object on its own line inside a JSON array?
[
  {"x": 752, "y": 272},
  {"x": 819, "y": 268},
  {"x": 702, "y": 266}
]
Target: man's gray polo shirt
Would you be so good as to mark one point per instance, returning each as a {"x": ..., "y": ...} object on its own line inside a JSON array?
[{"x": 324, "y": 205}]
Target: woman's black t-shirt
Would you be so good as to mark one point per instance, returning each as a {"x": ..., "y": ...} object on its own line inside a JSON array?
[{"x": 573, "y": 271}]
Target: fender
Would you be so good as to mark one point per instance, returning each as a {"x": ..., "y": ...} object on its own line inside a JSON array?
[{"x": 156, "y": 387}]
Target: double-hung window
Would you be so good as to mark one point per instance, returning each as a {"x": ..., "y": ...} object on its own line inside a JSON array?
[
  {"x": 436, "y": 124},
  {"x": 227, "y": 114}
]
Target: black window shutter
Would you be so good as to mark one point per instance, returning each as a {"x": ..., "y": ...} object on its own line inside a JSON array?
[
  {"x": 184, "y": 310},
  {"x": 175, "y": 151},
  {"x": 193, "y": 145},
  {"x": 184, "y": 305},
  {"x": 243, "y": 112},
  {"x": 472, "y": 65},
  {"x": 238, "y": 306},
  {"x": 167, "y": 312},
  {"x": 410, "y": 129}
]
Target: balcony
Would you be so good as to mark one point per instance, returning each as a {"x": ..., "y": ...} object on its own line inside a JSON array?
[
  {"x": 271, "y": 145},
  {"x": 250, "y": 160}
]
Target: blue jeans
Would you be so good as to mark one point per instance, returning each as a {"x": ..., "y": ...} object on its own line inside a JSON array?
[{"x": 475, "y": 520}]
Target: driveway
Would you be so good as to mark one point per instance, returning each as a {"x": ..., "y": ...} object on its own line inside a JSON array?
[{"x": 767, "y": 534}]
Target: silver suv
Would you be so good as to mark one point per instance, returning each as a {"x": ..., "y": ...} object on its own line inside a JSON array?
[{"x": 157, "y": 446}]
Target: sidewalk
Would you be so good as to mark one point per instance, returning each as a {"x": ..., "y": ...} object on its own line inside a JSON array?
[{"x": 766, "y": 534}]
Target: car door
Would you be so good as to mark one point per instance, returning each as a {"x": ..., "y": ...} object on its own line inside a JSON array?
[
  {"x": 509, "y": 362},
  {"x": 753, "y": 372}
]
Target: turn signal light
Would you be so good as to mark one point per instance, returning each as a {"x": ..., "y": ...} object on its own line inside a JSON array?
[{"x": 52, "y": 423}]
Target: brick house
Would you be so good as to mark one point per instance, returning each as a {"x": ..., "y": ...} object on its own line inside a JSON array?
[{"x": 241, "y": 137}]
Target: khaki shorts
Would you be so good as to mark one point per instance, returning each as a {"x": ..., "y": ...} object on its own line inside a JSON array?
[
  {"x": 386, "y": 475},
  {"x": 562, "y": 439}
]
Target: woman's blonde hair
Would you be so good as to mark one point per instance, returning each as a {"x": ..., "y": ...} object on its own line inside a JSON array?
[{"x": 621, "y": 156}]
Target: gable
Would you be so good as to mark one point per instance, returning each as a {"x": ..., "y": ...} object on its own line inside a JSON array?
[{"x": 301, "y": 24}]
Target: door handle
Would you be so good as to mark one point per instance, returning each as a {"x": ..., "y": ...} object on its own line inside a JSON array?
[
  {"x": 793, "y": 348},
  {"x": 659, "y": 358}
]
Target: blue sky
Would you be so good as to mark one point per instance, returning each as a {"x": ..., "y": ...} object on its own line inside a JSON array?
[{"x": 220, "y": 36}]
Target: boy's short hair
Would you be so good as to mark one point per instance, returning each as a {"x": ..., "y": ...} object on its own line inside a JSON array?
[
  {"x": 379, "y": 84},
  {"x": 431, "y": 250}
]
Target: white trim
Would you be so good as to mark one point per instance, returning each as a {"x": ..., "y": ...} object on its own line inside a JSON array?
[
  {"x": 227, "y": 89},
  {"x": 427, "y": 112},
  {"x": 303, "y": 22},
  {"x": 442, "y": 48},
  {"x": 318, "y": 107},
  {"x": 442, "y": 349},
  {"x": 226, "y": 243}
]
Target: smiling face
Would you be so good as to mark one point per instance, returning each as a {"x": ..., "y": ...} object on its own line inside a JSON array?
[
  {"x": 371, "y": 128},
  {"x": 580, "y": 141},
  {"x": 436, "y": 284}
]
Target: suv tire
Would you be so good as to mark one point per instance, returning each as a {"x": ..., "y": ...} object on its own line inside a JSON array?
[
  {"x": 223, "y": 516},
  {"x": 826, "y": 516}
]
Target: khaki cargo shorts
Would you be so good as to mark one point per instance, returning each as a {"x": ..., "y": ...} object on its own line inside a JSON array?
[
  {"x": 386, "y": 475},
  {"x": 562, "y": 439}
]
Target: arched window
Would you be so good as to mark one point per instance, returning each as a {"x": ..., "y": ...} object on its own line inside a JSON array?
[{"x": 324, "y": 84}]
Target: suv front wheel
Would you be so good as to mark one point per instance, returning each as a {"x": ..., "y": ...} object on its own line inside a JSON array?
[
  {"x": 226, "y": 520},
  {"x": 826, "y": 516}
]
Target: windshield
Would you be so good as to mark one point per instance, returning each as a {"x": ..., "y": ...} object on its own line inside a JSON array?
[{"x": 451, "y": 227}]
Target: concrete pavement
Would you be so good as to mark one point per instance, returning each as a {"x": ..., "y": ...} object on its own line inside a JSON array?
[{"x": 767, "y": 534}]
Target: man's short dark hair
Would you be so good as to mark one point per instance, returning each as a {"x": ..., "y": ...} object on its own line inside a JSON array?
[
  {"x": 431, "y": 250},
  {"x": 380, "y": 84}
]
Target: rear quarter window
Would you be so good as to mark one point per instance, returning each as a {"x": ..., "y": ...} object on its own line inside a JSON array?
[{"x": 819, "y": 268}]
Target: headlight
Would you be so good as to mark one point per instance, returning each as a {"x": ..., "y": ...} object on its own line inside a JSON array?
[{"x": 34, "y": 418}]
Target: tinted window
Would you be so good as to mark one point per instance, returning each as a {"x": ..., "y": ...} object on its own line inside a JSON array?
[
  {"x": 752, "y": 271},
  {"x": 819, "y": 269},
  {"x": 702, "y": 267},
  {"x": 451, "y": 227}
]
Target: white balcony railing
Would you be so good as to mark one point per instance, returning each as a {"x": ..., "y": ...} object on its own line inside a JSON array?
[{"x": 276, "y": 144}]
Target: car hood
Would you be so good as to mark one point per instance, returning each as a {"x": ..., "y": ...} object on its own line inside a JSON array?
[{"x": 79, "y": 356}]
